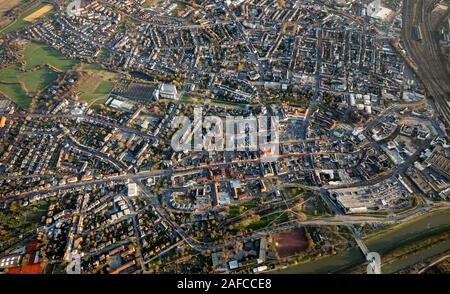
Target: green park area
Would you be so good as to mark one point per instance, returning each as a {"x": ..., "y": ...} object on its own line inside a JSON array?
[
  {"x": 16, "y": 93},
  {"x": 16, "y": 84},
  {"x": 256, "y": 222},
  {"x": 38, "y": 54},
  {"x": 227, "y": 103},
  {"x": 96, "y": 84},
  {"x": 19, "y": 83}
]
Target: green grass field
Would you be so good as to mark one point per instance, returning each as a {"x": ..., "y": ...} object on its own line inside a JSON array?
[
  {"x": 15, "y": 93},
  {"x": 38, "y": 79},
  {"x": 97, "y": 85},
  {"x": 33, "y": 79},
  {"x": 227, "y": 103},
  {"x": 38, "y": 54},
  {"x": 20, "y": 22},
  {"x": 99, "y": 95},
  {"x": 104, "y": 88}
]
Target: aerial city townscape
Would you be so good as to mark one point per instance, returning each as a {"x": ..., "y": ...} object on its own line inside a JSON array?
[{"x": 224, "y": 136}]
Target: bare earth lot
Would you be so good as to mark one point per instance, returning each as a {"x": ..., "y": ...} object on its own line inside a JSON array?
[
  {"x": 38, "y": 13},
  {"x": 290, "y": 243}
]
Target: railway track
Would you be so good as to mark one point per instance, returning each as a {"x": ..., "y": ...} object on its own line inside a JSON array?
[{"x": 426, "y": 54}]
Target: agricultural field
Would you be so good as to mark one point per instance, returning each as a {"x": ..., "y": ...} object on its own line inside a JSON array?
[
  {"x": 95, "y": 85},
  {"x": 21, "y": 22},
  {"x": 38, "y": 13},
  {"x": 5, "y": 6}
]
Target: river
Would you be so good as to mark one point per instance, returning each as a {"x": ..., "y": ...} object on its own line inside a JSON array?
[{"x": 398, "y": 236}]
